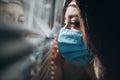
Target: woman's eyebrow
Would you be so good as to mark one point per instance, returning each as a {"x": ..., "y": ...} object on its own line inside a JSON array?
[{"x": 72, "y": 5}]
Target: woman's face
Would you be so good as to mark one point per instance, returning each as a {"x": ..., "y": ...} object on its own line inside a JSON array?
[
  {"x": 14, "y": 11},
  {"x": 71, "y": 15}
]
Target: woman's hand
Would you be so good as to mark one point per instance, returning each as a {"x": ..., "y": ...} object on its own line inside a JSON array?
[{"x": 56, "y": 56}]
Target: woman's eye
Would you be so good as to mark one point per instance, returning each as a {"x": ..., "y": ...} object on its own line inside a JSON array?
[{"x": 71, "y": 16}]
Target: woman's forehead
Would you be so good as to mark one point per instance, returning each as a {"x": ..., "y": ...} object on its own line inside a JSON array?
[{"x": 71, "y": 10}]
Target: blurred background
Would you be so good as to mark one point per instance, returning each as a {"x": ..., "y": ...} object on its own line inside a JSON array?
[{"x": 26, "y": 32}]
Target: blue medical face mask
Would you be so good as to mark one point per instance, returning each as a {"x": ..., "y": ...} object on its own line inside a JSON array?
[{"x": 72, "y": 47}]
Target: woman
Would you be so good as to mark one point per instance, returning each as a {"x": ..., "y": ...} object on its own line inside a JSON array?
[{"x": 71, "y": 45}]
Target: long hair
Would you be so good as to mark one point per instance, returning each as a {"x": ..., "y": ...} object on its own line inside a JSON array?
[{"x": 98, "y": 67}]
